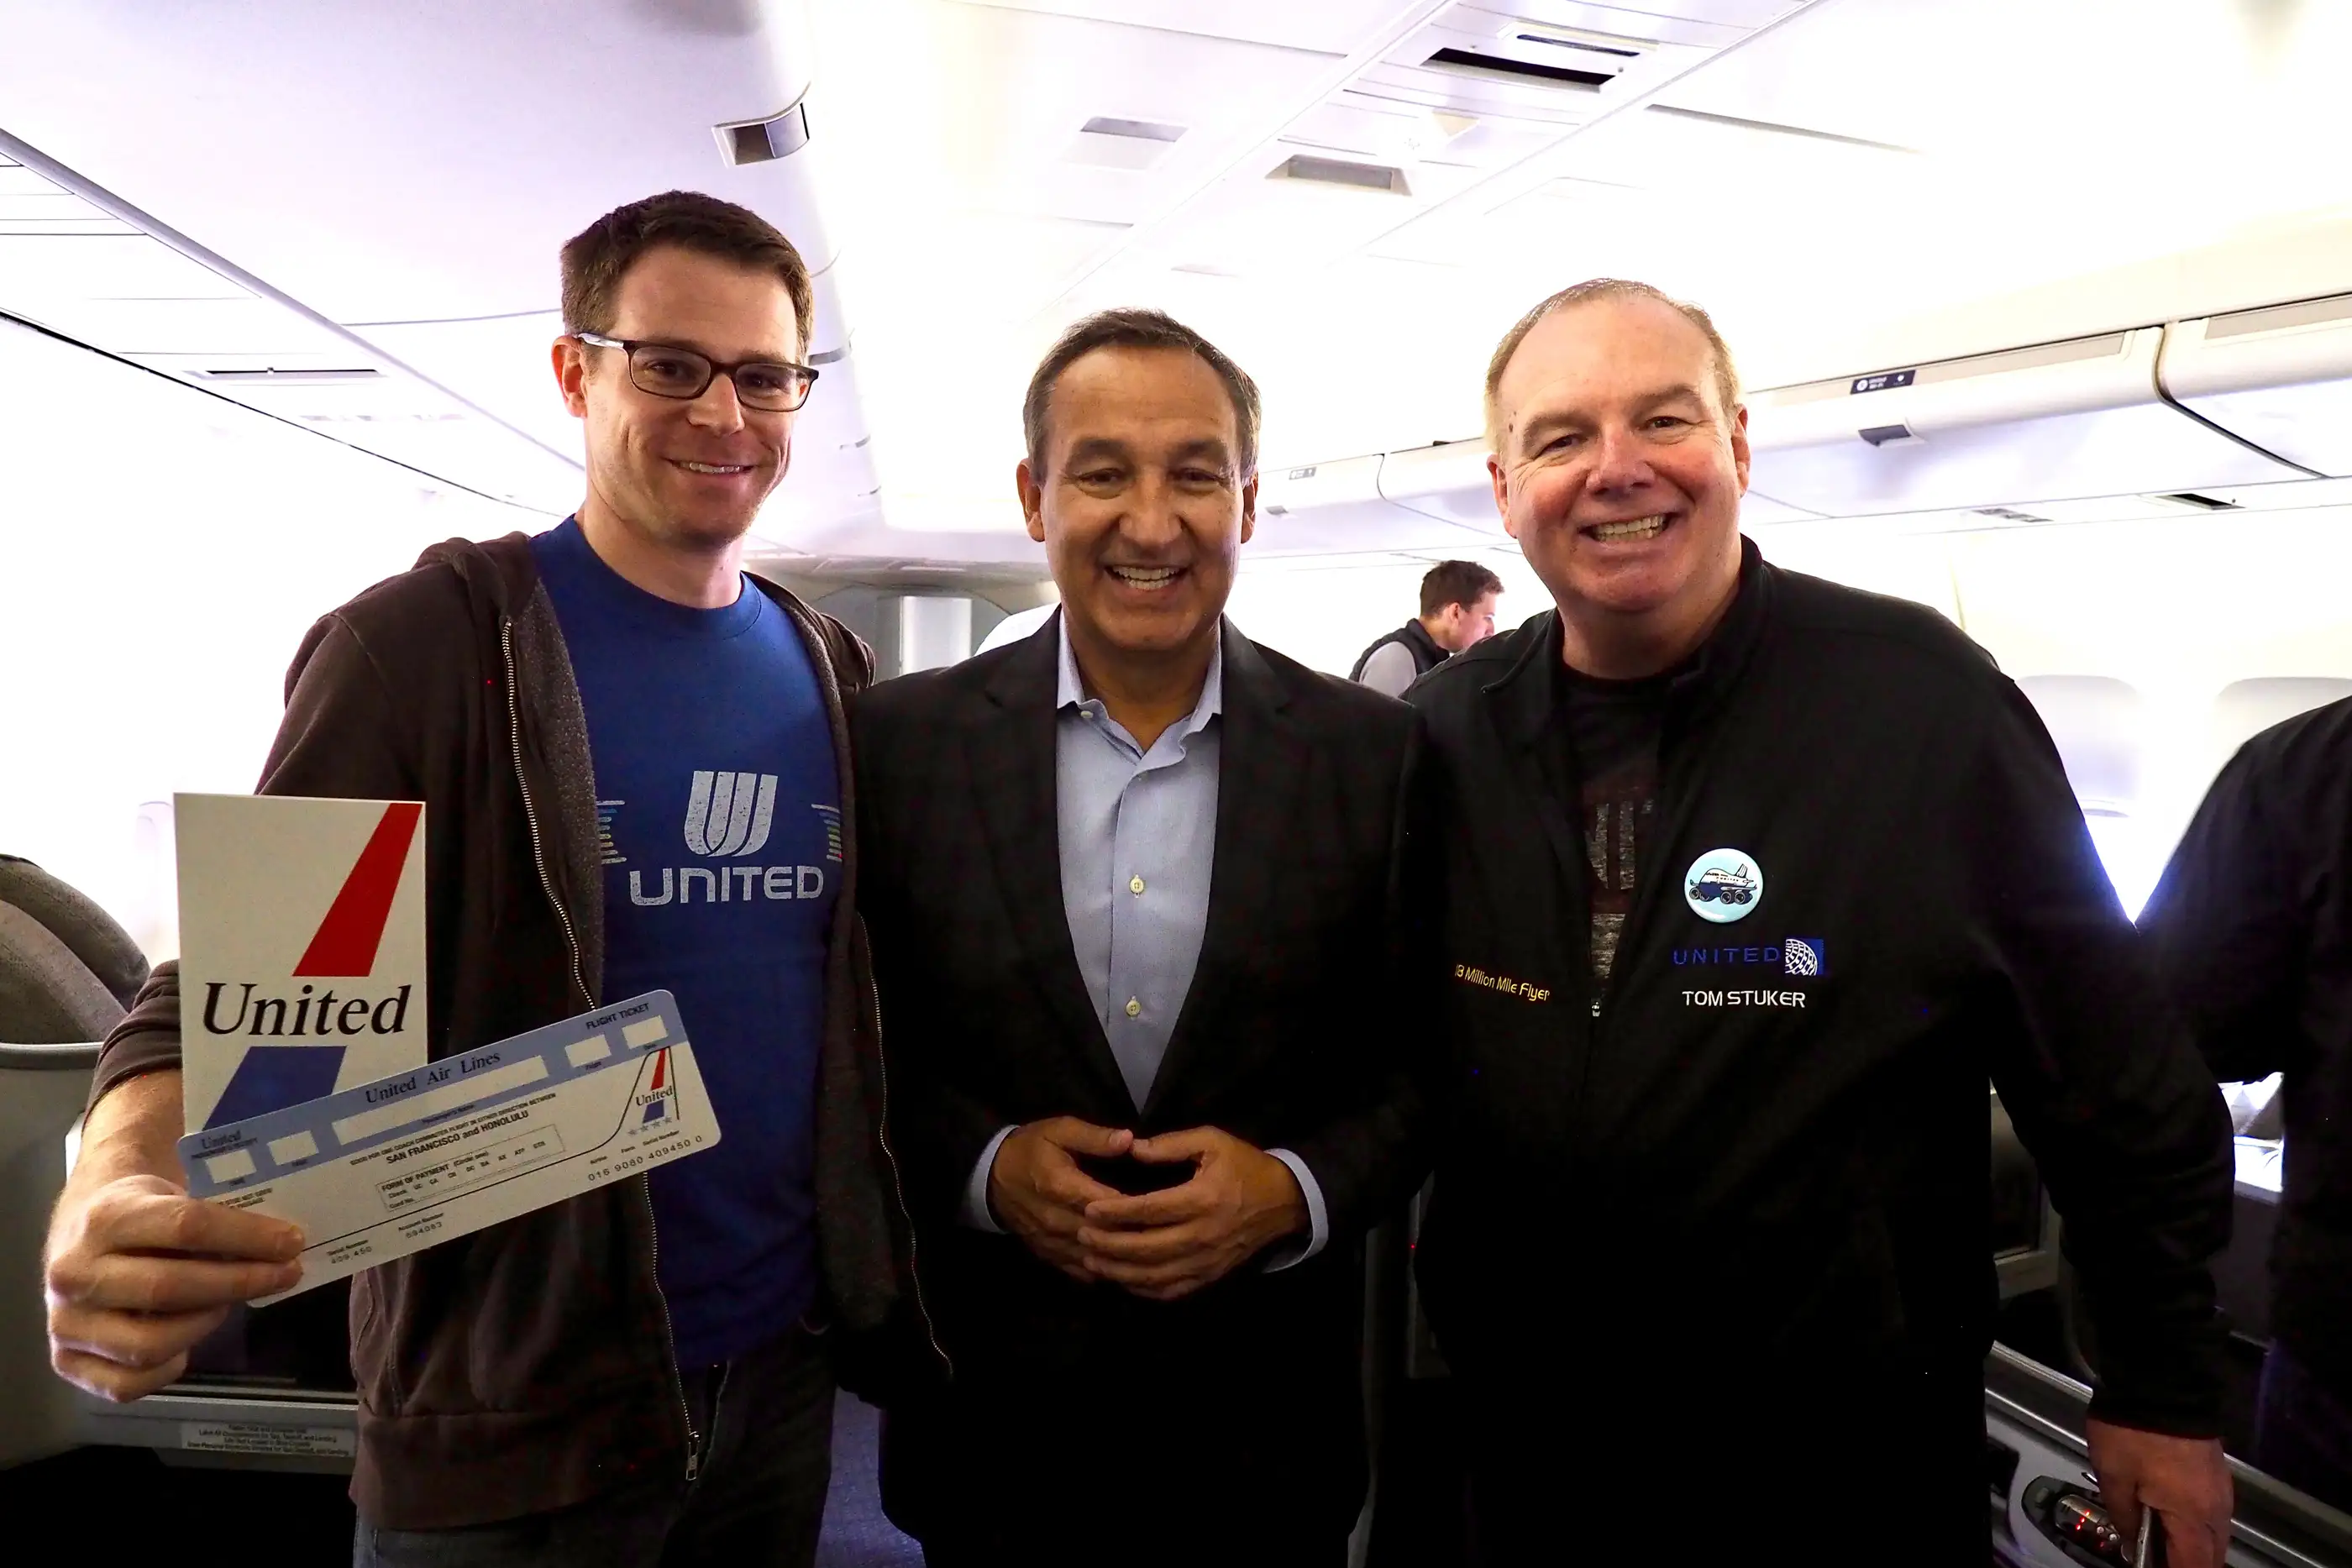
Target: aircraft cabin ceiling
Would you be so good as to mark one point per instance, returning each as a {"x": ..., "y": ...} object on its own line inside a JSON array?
[{"x": 348, "y": 215}]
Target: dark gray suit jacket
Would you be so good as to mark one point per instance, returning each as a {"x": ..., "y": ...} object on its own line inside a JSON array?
[{"x": 1307, "y": 1027}]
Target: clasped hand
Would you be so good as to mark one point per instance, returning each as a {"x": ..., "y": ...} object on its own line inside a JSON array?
[{"x": 1159, "y": 1245}]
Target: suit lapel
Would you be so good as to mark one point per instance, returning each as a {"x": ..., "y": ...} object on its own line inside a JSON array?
[
  {"x": 1262, "y": 767},
  {"x": 1010, "y": 749}
]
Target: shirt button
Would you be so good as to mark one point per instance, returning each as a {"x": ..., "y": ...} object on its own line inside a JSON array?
[
  {"x": 1135, "y": 884},
  {"x": 1134, "y": 1008}
]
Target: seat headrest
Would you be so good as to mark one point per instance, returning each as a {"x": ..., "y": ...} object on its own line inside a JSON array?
[
  {"x": 90, "y": 934},
  {"x": 47, "y": 996}
]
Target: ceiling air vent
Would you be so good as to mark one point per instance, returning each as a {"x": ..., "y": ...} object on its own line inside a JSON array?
[
  {"x": 1542, "y": 72},
  {"x": 1551, "y": 42},
  {"x": 1136, "y": 129},
  {"x": 1887, "y": 434},
  {"x": 1340, "y": 171},
  {"x": 763, "y": 140},
  {"x": 2197, "y": 502},
  {"x": 1123, "y": 143}
]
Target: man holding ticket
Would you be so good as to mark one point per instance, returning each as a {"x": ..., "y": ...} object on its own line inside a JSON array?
[
  {"x": 633, "y": 761},
  {"x": 1140, "y": 894}
]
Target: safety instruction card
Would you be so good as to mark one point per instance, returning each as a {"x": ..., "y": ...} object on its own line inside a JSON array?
[{"x": 381, "y": 1170}]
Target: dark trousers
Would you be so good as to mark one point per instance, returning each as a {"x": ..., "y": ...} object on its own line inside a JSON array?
[
  {"x": 1143, "y": 1483},
  {"x": 1629, "y": 1473},
  {"x": 756, "y": 1501},
  {"x": 1071, "y": 1551},
  {"x": 2302, "y": 1431}
]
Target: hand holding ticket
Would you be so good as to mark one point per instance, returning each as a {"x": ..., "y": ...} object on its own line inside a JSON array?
[{"x": 381, "y": 1170}]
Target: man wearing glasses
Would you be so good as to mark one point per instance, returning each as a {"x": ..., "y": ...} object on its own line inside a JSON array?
[{"x": 633, "y": 763}]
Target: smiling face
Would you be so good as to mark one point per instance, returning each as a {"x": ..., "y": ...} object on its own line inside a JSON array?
[
  {"x": 680, "y": 473},
  {"x": 1619, "y": 471},
  {"x": 1139, "y": 500}
]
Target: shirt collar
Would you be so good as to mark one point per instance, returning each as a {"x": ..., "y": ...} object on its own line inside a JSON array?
[{"x": 1071, "y": 691}]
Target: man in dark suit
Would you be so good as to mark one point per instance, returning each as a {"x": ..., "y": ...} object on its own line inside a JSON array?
[{"x": 1138, "y": 894}]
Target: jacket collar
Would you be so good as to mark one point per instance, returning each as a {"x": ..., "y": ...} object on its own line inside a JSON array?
[
  {"x": 1526, "y": 694},
  {"x": 1030, "y": 680},
  {"x": 1262, "y": 762}
]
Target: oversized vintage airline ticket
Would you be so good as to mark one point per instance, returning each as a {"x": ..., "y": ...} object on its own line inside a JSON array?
[{"x": 381, "y": 1170}]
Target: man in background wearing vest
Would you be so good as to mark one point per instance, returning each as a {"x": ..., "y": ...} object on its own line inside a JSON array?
[{"x": 1458, "y": 610}]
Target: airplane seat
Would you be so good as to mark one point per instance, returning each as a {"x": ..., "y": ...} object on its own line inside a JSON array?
[
  {"x": 67, "y": 971},
  {"x": 53, "y": 1011},
  {"x": 90, "y": 934}
]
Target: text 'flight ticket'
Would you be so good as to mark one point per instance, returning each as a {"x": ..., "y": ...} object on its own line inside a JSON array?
[{"x": 381, "y": 1170}]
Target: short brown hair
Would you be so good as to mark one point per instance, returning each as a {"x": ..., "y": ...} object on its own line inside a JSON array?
[
  {"x": 1133, "y": 328},
  {"x": 1727, "y": 377},
  {"x": 597, "y": 258},
  {"x": 1463, "y": 582}
]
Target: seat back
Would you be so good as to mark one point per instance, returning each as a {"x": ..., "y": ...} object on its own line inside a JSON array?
[
  {"x": 53, "y": 1011},
  {"x": 71, "y": 916},
  {"x": 41, "y": 1091}
]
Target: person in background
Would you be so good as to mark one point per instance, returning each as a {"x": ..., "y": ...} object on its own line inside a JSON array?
[
  {"x": 2252, "y": 932},
  {"x": 1139, "y": 899},
  {"x": 1457, "y": 611},
  {"x": 576, "y": 709},
  {"x": 1751, "y": 882}
]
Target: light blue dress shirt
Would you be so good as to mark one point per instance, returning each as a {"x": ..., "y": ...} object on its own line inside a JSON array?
[{"x": 1139, "y": 837}]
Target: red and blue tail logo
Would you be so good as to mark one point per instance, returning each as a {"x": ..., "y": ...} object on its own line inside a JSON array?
[{"x": 657, "y": 1095}]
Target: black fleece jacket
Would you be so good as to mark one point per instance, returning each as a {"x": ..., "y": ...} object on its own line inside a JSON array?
[
  {"x": 2251, "y": 926},
  {"x": 1756, "y": 1160}
]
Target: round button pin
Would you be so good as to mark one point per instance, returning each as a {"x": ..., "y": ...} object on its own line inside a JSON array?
[{"x": 1724, "y": 885}]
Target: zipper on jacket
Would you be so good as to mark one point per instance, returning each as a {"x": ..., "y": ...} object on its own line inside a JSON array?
[
  {"x": 838, "y": 708},
  {"x": 1647, "y": 878},
  {"x": 579, "y": 979}
]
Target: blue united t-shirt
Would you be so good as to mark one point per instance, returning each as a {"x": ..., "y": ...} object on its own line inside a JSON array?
[{"x": 719, "y": 812}]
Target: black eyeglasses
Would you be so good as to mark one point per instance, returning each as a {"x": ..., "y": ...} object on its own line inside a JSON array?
[{"x": 771, "y": 386}]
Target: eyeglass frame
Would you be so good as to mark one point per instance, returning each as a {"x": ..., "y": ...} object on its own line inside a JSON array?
[{"x": 629, "y": 346}]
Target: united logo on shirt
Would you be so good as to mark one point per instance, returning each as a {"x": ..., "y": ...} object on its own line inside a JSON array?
[
  {"x": 729, "y": 813},
  {"x": 730, "y": 816}
]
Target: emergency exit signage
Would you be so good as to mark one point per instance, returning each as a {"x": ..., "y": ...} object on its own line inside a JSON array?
[{"x": 301, "y": 948}]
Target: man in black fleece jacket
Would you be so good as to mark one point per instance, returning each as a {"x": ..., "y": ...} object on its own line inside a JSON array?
[
  {"x": 1752, "y": 883},
  {"x": 2251, "y": 926}
]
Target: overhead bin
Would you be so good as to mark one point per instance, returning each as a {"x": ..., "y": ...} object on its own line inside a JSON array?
[
  {"x": 2055, "y": 421},
  {"x": 1446, "y": 482},
  {"x": 1322, "y": 509},
  {"x": 2281, "y": 377},
  {"x": 1424, "y": 498}
]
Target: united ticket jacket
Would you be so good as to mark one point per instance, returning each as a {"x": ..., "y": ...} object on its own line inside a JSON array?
[{"x": 381, "y": 1170}]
